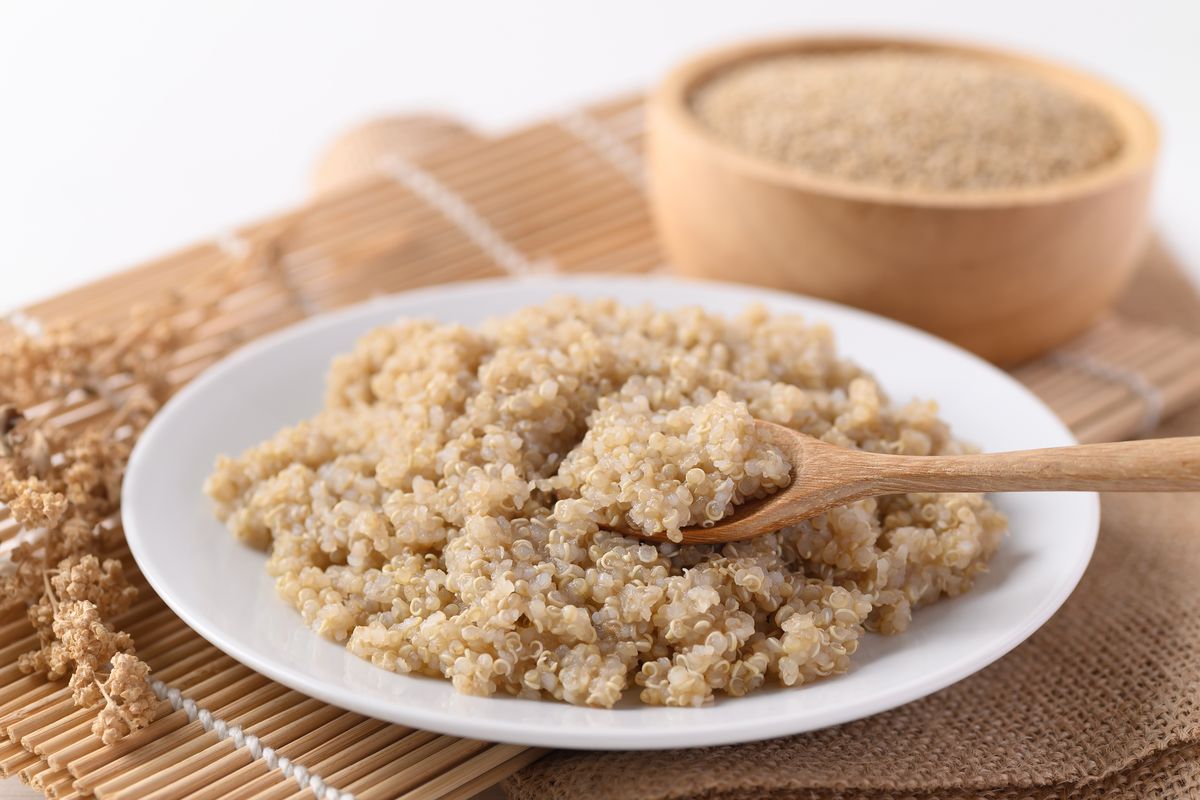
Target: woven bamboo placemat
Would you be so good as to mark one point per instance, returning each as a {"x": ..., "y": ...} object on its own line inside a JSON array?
[{"x": 565, "y": 195}]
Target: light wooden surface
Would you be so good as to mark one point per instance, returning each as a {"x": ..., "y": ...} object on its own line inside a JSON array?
[
  {"x": 825, "y": 476},
  {"x": 1008, "y": 274}
]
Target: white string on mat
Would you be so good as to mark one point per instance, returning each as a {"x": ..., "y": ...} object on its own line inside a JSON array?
[
  {"x": 601, "y": 139},
  {"x": 248, "y": 742},
  {"x": 237, "y": 248},
  {"x": 604, "y": 143},
  {"x": 298, "y": 295},
  {"x": 462, "y": 214},
  {"x": 1131, "y": 379},
  {"x": 628, "y": 123},
  {"x": 232, "y": 245},
  {"x": 24, "y": 323}
]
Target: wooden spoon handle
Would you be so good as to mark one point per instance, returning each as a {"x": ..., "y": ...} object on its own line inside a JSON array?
[{"x": 1151, "y": 465}]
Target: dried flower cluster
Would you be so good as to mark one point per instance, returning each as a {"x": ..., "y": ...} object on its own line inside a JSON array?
[
  {"x": 69, "y": 617},
  {"x": 129, "y": 702},
  {"x": 67, "y": 483},
  {"x": 62, "y": 485}
]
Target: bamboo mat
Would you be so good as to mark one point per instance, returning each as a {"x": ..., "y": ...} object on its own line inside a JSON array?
[{"x": 565, "y": 195}]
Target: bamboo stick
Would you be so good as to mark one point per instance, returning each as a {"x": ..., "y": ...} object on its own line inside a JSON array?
[
  {"x": 1169, "y": 365},
  {"x": 328, "y": 733},
  {"x": 62, "y": 750},
  {"x": 9, "y": 654},
  {"x": 12, "y": 764},
  {"x": 71, "y": 749},
  {"x": 1118, "y": 422},
  {"x": 186, "y": 660},
  {"x": 145, "y": 775},
  {"x": 11, "y": 673},
  {"x": 507, "y": 205},
  {"x": 25, "y": 692},
  {"x": 293, "y": 716},
  {"x": 8, "y": 530},
  {"x": 112, "y": 761},
  {"x": 9, "y": 749},
  {"x": 503, "y": 162},
  {"x": 1119, "y": 355},
  {"x": 482, "y": 781},
  {"x": 61, "y": 785},
  {"x": 190, "y": 779},
  {"x": 235, "y": 703},
  {"x": 541, "y": 187},
  {"x": 1156, "y": 366},
  {"x": 1133, "y": 346},
  {"x": 404, "y": 770},
  {"x": 1157, "y": 372},
  {"x": 439, "y": 780},
  {"x": 362, "y": 756},
  {"x": 169, "y": 634},
  {"x": 32, "y": 739},
  {"x": 315, "y": 759},
  {"x": 14, "y": 629},
  {"x": 311, "y": 729},
  {"x": 457, "y": 259},
  {"x": 38, "y": 715},
  {"x": 35, "y": 773}
]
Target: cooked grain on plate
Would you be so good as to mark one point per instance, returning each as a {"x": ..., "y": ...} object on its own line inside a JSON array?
[{"x": 451, "y": 510}]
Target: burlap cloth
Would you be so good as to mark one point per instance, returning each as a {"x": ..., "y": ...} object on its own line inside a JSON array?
[{"x": 1102, "y": 702}]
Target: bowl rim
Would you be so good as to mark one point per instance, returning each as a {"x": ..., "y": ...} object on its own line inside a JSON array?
[{"x": 1139, "y": 130}]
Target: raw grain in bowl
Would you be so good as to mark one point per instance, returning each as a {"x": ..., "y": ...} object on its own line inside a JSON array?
[
  {"x": 911, "y": 120},
  {"x": 451, "y": 510}
]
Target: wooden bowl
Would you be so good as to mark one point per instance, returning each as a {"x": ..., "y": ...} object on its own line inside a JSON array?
[{"x": 1006, "y": 273}]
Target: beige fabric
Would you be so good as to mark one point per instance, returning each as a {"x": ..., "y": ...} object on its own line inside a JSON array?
[{"x": 1102, "y": 702}]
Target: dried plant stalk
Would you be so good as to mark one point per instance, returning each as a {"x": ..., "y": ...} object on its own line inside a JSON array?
[{"x": 60, "y": 482}]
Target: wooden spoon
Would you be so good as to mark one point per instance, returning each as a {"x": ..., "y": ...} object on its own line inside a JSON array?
[{"x": 824, "y": 476}]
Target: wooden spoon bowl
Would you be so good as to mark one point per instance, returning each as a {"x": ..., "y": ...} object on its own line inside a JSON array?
[{"x": 825, "y": 476}]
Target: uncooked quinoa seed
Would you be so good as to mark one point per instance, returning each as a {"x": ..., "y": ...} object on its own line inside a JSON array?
[
  {"x": 904, "y": 119},
  {"x": 451, "y": 511}
]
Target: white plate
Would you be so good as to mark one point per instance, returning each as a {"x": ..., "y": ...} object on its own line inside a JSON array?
[{"x": 221, "y": 589}]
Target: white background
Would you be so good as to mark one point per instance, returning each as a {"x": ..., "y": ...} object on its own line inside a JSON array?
[{"x": 130, "y": 129}]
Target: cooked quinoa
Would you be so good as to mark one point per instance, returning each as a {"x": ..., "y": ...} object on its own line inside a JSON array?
[{"x": 455, "y": 510}]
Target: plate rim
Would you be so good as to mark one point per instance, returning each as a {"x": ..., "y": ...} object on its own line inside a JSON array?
[{"x": 547, "y": 735}]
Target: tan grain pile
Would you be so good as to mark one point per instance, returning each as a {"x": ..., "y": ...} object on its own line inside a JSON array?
[
  {"x": 450, "y": 511},
  {"x": 914, "y": 120}
]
